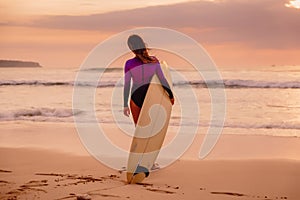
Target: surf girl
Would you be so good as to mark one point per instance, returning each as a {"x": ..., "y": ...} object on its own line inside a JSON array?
[{"x": 140, "y": 70}]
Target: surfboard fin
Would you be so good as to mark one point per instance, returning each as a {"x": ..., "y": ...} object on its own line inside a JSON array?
[{"x": 141, "y": 169}]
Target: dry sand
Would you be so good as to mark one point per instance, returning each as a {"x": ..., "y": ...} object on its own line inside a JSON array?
[{"x": 47, "y": 161}]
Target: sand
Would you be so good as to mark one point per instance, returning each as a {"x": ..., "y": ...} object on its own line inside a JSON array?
[{"x": 48, "y": 161}]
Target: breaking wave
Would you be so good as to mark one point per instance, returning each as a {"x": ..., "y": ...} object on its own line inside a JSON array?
[
  {"x": 38, "y": 114},
  {"x": 231, "y": 83}
]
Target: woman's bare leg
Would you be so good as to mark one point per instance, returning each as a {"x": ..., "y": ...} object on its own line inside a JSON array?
[{"x": 135, "y": 111}]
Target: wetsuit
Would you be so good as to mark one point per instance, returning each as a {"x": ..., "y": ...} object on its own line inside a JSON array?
[{"x": 141, "y": 75}]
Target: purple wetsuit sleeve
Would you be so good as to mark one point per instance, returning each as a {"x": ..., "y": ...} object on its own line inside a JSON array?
[
  {"x": 127, "y": 81},
  {"x": 164, "y": 81}
]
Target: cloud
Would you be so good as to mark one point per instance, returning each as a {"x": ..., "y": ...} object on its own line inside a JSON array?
[
  {"x": 256, "y": 23},
  {"x": 293, "y": 4}
]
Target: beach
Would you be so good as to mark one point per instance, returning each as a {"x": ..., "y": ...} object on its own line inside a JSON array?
[
  {"x": 50, "y": 162},
  {"x": 233, "y": 132},
  {"x": 44, "y": 154}
]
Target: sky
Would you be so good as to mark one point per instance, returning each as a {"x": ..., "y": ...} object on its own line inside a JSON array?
[{"x": 238, "y": 33}]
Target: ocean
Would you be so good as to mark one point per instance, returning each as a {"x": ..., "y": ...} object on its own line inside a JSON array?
[{"x": 260, "y": 100}]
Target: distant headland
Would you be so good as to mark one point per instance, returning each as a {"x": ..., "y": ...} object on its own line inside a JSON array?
[{"x": 18, "y": 63}]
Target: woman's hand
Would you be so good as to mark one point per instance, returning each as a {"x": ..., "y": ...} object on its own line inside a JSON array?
[
  {"x": 172, "y": 101},
  {"x": 126, "y": 111}
]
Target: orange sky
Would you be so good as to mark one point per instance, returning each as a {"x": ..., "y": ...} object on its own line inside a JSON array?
[{"x": 234, "y": 32}]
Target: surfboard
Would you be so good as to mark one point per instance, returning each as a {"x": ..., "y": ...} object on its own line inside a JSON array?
[{"x": 150, "y": 130}]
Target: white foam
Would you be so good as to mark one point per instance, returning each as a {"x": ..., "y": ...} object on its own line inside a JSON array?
[
  {"x": 37, "y": 114},
  {"x": 229, "y": 83},
  {"x": 237, "y": 83}
]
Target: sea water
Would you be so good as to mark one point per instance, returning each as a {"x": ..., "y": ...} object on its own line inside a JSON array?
[{"x": 265, "y": 100}]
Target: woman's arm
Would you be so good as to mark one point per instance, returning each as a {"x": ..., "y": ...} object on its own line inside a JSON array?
[
  {"x": 127, "y": 82},
  {"x": 164, "y": 81}
]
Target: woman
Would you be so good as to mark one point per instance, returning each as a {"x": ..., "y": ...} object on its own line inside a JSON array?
[{"x": 140, "y": 69}]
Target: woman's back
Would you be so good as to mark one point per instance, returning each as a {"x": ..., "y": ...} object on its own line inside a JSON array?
[{"x": 139, "y": 72}]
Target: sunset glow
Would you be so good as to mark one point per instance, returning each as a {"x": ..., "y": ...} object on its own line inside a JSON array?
[
  {"x": 75, "y": 7},
  {"x": 61, "y": 33},
  {"x": 293, "y": 4}
]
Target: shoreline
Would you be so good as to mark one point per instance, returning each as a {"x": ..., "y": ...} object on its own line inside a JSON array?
[{"x": 63, "y": 137}]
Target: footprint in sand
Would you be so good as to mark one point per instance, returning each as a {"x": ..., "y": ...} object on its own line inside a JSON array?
[
  {"x": 4, "y": 182},
  {"x": 33, "y": 186},
  {"x": 160, "y": 191},
  {"x": 254, "y": 196},
  {"x": 77, "y": 179},
  {"x": 229, "y": 193},
  {"x": 152, "y": 188},
  {"x": 5, "y": 171}
]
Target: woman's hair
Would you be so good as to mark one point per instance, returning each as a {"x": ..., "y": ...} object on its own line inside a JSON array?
[{"x": 138, "y": 47}]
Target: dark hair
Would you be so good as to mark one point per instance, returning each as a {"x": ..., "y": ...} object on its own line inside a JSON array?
[{"x": 138, "y": 47}]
